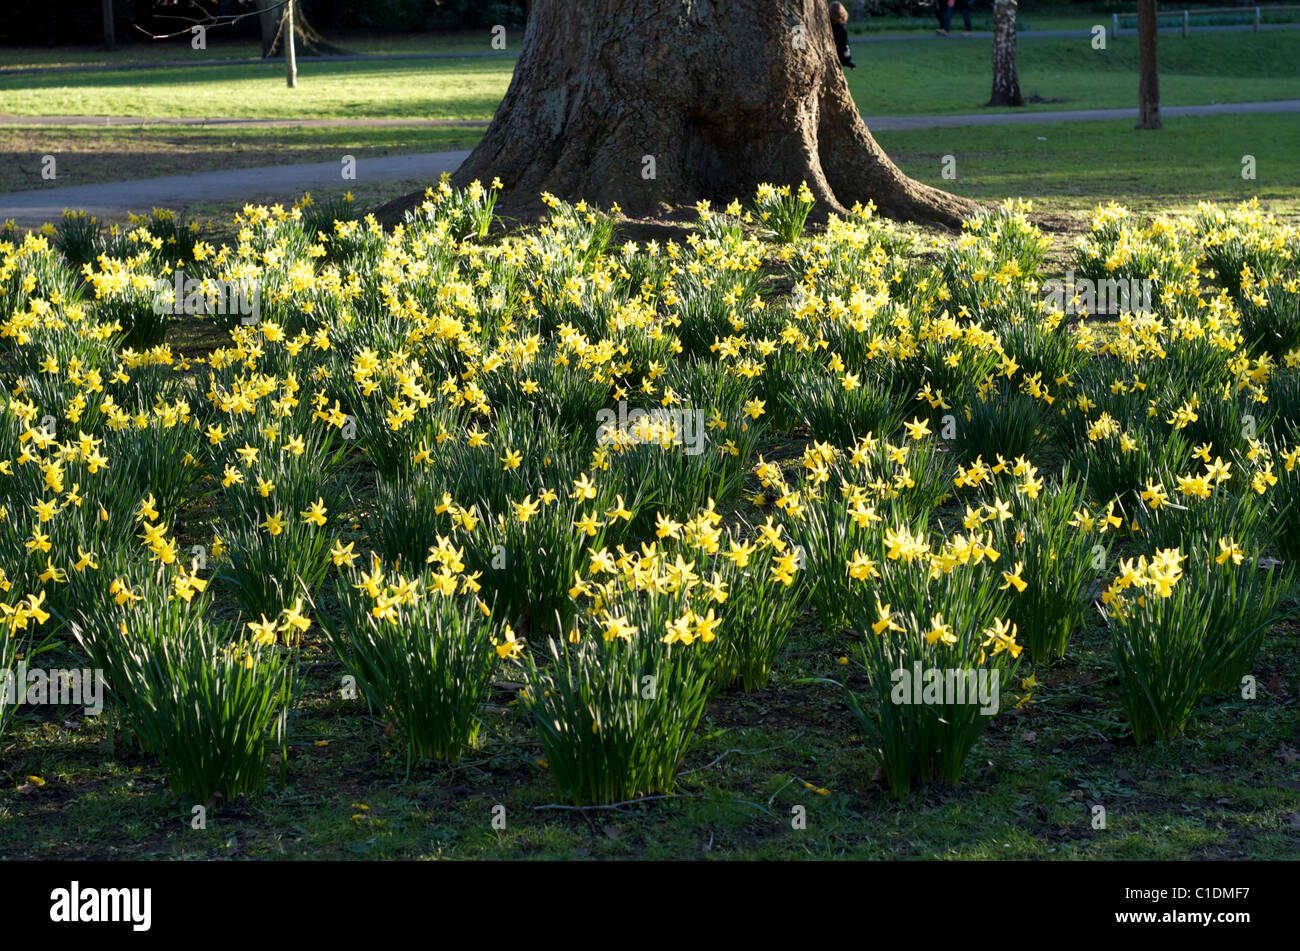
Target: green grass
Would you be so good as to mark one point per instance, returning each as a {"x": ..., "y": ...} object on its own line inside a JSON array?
[
  {"x": 1079, "y": 164},
  {"x": 894, "y": 79},
  {"x": 375, "y": 89},
  {"x": 953, "y": 77}
]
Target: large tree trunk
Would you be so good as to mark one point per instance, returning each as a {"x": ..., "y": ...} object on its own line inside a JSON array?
[
  {"x": 1006, "y": 83},
  {"x": 656, "y": 104},
  {"x": 1148, "y": 78}
]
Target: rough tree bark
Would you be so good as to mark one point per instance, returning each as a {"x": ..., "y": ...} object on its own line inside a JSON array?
[
  {"x": 1148, "y": 78},
  {"x": 720, "y": 95},
  {"x": 1006, "y": 82}
]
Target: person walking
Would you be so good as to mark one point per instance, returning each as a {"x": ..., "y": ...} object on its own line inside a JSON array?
[
  {"x": 839, "y": 17},
  {"x": 943, "y": 10}
]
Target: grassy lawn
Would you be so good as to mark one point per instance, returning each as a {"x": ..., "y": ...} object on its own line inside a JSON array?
[
  {"x": 892, "y": 79},
  {"x": 394, "y": 89},
  {"x": 1076, "y": 165},
  {"x": 953, "y": 77}
]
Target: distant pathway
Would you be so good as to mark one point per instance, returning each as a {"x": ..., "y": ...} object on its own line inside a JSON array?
[
  {"x": 205, "y": 122},
  {"x": 873, "y": 122},
  {"x": 32, "y": 208},
  {"x": 1076, "y": 115}
]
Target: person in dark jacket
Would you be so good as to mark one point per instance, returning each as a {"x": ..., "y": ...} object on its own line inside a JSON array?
[
  {"x": 839, "y": 17},
  {"x": 943, "y": 9}
]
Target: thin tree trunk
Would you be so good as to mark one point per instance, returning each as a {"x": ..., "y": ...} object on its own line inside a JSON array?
[
  {"x": 290, "y": 57},
  {"x": 1148, "y": 75},
  {"x": 1006, "y": 82},
  {"x": 110, "y": 35},
  {"x": 658, "y": 104}
]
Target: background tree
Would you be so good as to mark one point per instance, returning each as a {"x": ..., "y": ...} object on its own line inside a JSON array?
[
  {"x": 268, "y": 22},
  {"x": 663, "y": 102},
  {"x": 271, "y": 17},
  {"x": 1148, "y": 77},
  {"x": 110, "y": 34},
  {"x": 1006, "y": 83}
]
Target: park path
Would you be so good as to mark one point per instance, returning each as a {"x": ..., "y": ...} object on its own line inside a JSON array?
[
  {"x": 31, "y": 208},
  {"x": 205, "y": 122},
  {"x": 34, "y": 207},
  {"x": 873, "y": 122},
  {"x": 487, "y": 54}
]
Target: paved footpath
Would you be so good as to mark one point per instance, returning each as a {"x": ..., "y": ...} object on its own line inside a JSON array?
[
  {"x": 205, "y": 122},
  {"x": 31, "y": 208},
  {"x": 874, "y": 122},
  {"x": 1075, "y": 115}
]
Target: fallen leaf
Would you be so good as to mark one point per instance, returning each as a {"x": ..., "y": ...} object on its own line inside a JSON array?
[
  {"x": 613, "y": 832},
  {"x": 1286, "y": 754},
  {"x": 1029, "y": 736}
]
